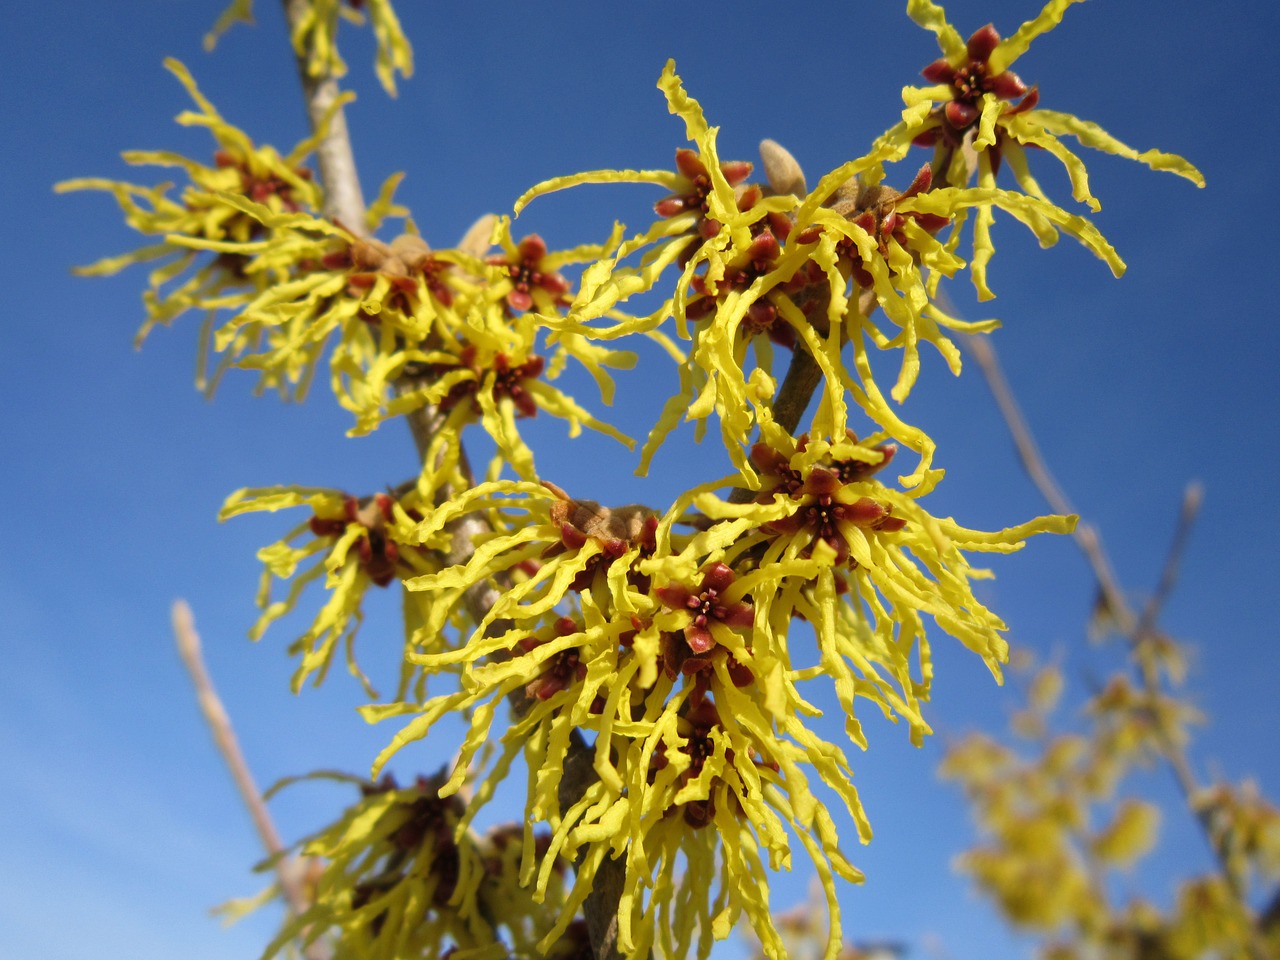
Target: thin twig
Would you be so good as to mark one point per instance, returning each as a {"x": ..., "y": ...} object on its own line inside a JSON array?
[
  {"x": 288, "y": 870},
  {"x": 1191, "y": 500},
  {"x": 343, "y": 198},
  {"x": 1134, "y": 627},
  {"x": 1086, "y": 535},
  {"x": 798, "y": 386}
]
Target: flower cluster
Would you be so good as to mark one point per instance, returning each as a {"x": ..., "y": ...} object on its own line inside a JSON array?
[
  {"x": 970, "y": 118},
  {"x": 1056, "y": 823},
  {"x": 397, "y": 877},
  {"x": 408, "y": 328},
  {"x": 680, "y": 653},
  {"x": 402, "y": 326},
  {"x": 352, "y": 544},
  {"x": 671, "y": 648},
  {"x": 182, "y": 280},
  {"x": 769, "y": 265}
]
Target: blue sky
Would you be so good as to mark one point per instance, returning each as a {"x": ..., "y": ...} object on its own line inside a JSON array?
[{"x": 122, "y": 826}]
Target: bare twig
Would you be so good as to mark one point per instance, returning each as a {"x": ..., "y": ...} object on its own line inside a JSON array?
[
  {"x": 1191, "y": 500},
  {"x": 1134, "y": 627},
  {"x": 798, "y": 386},
  {"x": 1086, "y": 535},
  {"x": 288, "y": 870},
  {"x": 343, "y": 198}
]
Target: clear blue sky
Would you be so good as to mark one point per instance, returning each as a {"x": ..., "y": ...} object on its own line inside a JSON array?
[{"x": 122, "y": 828}]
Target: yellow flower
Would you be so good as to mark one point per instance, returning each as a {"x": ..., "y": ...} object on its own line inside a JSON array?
[
  {"x": 712, "y": 222},
  {"x": 356, "y": 544},
  {"x": 710, "y": 794},
  {"x": 315, "y": 36},
  {"x": 398, "y": 878},
  {"x": 555, "y": 633},
  {"x": 409, "y": 327},
  {"x": 594, "y": 633},
  {"x": 971, "y": 104},
  {"x": 205, "y": 211},
  {"x": 1130, "y": 835},
  {"x": 1210, "y": 920},
  {"x": 672, "y": 651},
  {"x": 1245, "y": 826},
  {"x": 486, "y": 370},
  {"x": 884, "y": 241},
  {"x": 759, "y": 271},
  {"x": 864, "y": 563}
]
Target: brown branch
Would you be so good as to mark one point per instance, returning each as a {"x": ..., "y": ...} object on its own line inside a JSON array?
[
  {"x": 1133, "y": 627},
  {"x": 601, "y": 906},
  {"x": 1086, "y": 535},
  {"x": 344, "y": 201},
  {"x": 798, "y": 386},
  {"x": 289, "y": 870},
  {"x": 343, "y": 198},
  {"x": 1191, "y": 500}
]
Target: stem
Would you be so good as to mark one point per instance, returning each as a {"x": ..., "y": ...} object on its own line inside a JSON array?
[
  {"x": 1086, "y": 536},
  {"x": 343, "y": 198},
  {"x": 344, "y": 201},
  {"x": 289, "y": 870},
  {"x": 802, "y": 379},
  {"x": 1133, "y": 627}
]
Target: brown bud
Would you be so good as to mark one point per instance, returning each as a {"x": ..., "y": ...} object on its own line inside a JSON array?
[
  {"x": 476, "y": 240},
  {"x": 411, "y": 250},
  {"x": 369, "y": 254},
  {"x": 588, "y": 517},
  {"x": 781, "y": 169}
]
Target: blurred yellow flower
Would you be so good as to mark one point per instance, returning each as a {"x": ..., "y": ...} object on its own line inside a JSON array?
[{"x": 205, "y": 210}]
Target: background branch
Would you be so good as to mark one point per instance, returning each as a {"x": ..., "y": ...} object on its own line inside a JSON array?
[
  {"x": 1136, "y": 629},
  {"x": 289, "y": 870},
  {"x": 1086, "y": 535}
]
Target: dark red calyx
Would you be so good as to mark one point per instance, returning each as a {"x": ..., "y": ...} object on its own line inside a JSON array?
[
  {"x": 689, "y": 164},
  {"x": 1007, "y": 85},
  {"x": 960, "y": 114},
  {"x": 983, "y": 43},
  {"x": 940, "y": 71}
]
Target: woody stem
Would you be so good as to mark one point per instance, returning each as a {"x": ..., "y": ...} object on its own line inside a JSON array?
[{"x": 344, "y": 201}]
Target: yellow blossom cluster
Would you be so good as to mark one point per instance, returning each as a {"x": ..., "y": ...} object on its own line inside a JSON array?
[
  {"x": 401, "y": 326},
  {"x": 396, "y": 876},
  {"x": 183, "y": 280},
  {"x": 1057, "y": 823},
  {"x": 666, "y": 640},
  {"x": 767, "y": 265},
  {"x": 684, "y": 650},
  {"x": 349, "y": 544}
]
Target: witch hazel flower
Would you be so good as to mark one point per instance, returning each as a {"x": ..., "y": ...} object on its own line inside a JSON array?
[
  {"x": 826, "y": 542},
  {"x": 709, "y": 609},
  {"x": 315, "y": 31},
  {"x": 692, "y": 194},
  {"x": 557, "y": 635},
  {"x": 711, "y": 790},
  {"x": 529, "y": 275},
  {"x": 182, "y": 278},
  {"x": 352, "y": 544},
  {"x": 971, "y": 107}
]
